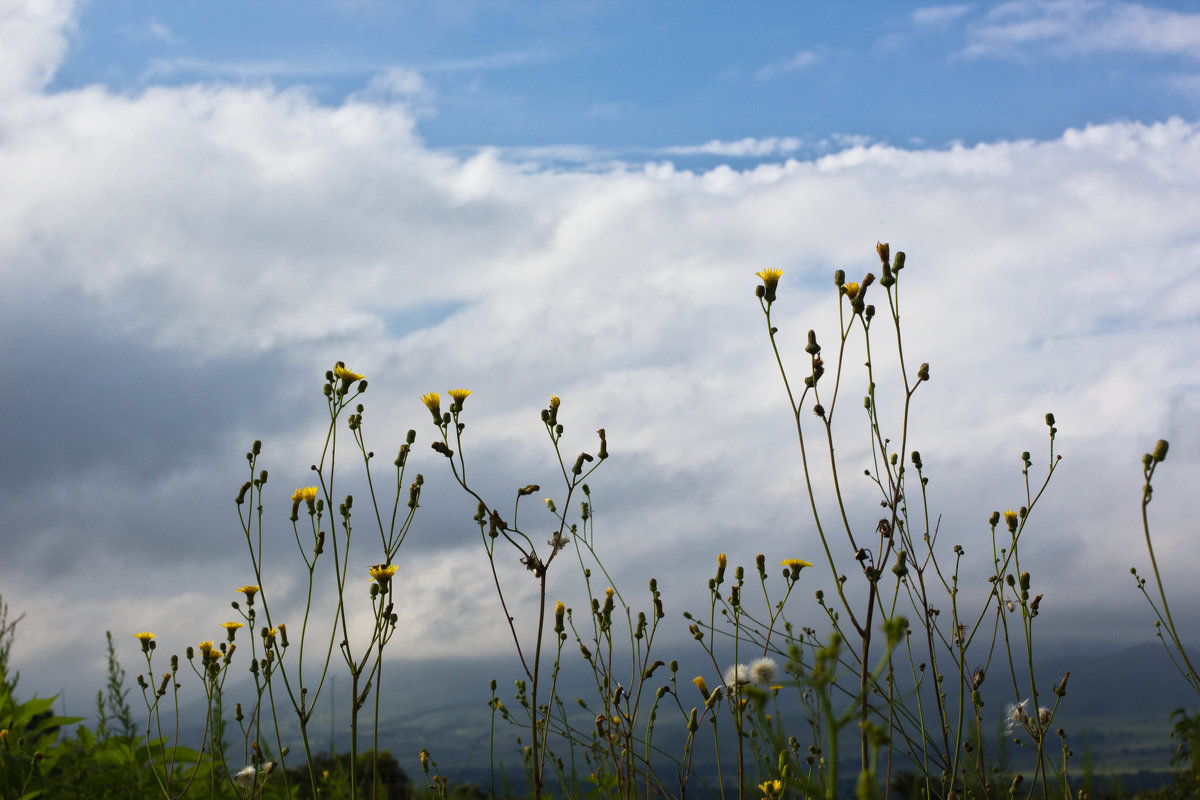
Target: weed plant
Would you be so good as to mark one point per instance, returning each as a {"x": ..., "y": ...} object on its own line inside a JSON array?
[{"x": 878, "y": 692}]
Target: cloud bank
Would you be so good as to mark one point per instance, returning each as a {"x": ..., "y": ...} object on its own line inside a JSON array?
[{"x": 181, "y": 265}]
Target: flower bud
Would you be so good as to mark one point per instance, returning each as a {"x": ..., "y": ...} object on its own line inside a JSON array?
[{"x": 1160, "y": 451}]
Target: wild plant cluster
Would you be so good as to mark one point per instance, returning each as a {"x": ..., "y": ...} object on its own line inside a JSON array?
[{"x": 879, "y": 692}]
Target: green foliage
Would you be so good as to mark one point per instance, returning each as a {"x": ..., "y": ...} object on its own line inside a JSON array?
[{"x": 377, "y": 775}]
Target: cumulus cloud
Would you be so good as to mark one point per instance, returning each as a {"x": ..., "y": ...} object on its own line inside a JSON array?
[
  {"x": 35, "y": 38},
  {"x": 1073, "y": 27},
  {"x": 182, "y": 265}
]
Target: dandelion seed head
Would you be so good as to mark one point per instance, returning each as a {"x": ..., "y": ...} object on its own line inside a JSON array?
[
  {"x": 763, "y": 670},
  {"x": 245, "y": 777},
  {"x": 737, "y": 675}
]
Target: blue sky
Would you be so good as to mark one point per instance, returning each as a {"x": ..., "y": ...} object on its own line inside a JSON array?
[
  {"x": 206, "y": 205},
  {"x": 637, "y": 77}
]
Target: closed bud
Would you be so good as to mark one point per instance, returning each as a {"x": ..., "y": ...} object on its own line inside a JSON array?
[
  {"x": 1160, "y": 451},
  {"x": 812, "y": 348},
  {"x": 839, "y": 278},
  {"x": 898, "y": 262},
  {"x": 888, "y": 278},
  {"x": 923, "y": 372}
]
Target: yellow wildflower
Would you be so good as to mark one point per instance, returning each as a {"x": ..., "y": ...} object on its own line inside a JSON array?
[
  {"x": 144, "y": 637},
  {"x": 345, "y": 375},
  {"x": 770, "y": 279},
  {"x": 795, "y": 565},
  {"x": 205, "y": 648},
  {"x": 458, "y": 395},
  {"x": 1010, "y": 518},
  {"x": 434, "y": 403},
  {"x": 851, "y": 290},
  {"x": 382, "y": 573},
  {"x": 702, "y": 685},
  {"x": 249, "y": 591},
  {"x": 231, "y": 628}
]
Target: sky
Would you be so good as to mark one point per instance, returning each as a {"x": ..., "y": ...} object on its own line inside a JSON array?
[{"x": 205, "y": 205}]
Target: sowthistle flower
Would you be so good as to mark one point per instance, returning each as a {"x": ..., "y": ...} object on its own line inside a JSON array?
[
  {"x": 345, "y": 375},
  {"x": 458, "y": 396},
  {"x": 231, "y": 628},
  {"x": 249, "y": 591},
  {"x": 382, "y": 574},
  {"x": 433, "y": 402},
  {"x": 144, "y": 637},
  {"x": 795, "y": 565},
  {"x": 770, "y": 278}
]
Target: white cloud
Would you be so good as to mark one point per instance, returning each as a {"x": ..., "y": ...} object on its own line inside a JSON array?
[
  {"x": 182, "y": 265},
  {"x": 742, "y": 148},
  {"x": 161, "y": 31},
  {"x": 939, "y": 15},
  {"x": 1073, "y": 27},
  {"x": 35, "y": 38},
  {"x": 801, "y": 60}
]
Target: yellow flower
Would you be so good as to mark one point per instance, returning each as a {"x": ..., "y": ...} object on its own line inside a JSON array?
[
  {"x": 144, "y": 637},
  {"x": 771, "y": 789},
  {"x": 458, "y": 395},
  {"x": 1010, "y": 518},
  {"x": 851, "y": 290},
  {"x": 434, "y": 403},
  {"x": 231, "y": 628},
  {"x": 205, "y": 647},
  {"x": 721, "y": 560},
  {"x": 346, "y": 376},
  {"x": 382, "y": 573},
  {"x": 702, "y": 685},
  {"x": 770, "y": 279},
  {"x": 554, "y": 402},
  {"x": 305, "y": 494},
  {"x": 249, "y": 591},
  {"x": 795, "y": 565}
]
